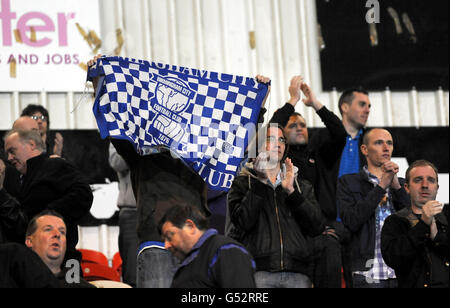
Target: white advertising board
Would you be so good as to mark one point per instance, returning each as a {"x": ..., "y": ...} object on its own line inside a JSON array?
[{"x": 41, "y": 45}]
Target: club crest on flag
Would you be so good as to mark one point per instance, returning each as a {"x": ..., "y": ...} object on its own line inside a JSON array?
[
  {"x": 172, "y": 97},
  {"x": 204, "y": 118}
]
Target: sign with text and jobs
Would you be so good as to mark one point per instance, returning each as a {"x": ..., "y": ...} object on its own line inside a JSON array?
[{"x": 43, "y": 44}]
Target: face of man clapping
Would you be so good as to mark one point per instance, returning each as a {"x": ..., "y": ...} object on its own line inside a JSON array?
[
  {"x": 377, "y": 147},
  {"x": 422, "y": 185}
]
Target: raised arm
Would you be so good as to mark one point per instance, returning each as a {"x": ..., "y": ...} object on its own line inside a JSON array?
[{"x": 90, "y": 63}]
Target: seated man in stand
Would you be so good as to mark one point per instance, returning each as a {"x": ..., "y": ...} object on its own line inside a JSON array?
[
  {"x": 208, "y": 259},
  {"x": 414, "y": 241},
  {"x": 46, "y": 236},
  {"x": 22, "y": 268}
]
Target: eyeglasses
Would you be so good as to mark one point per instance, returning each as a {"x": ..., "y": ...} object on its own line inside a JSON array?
[
  {"x": 42, "y": 117},
  {"x": 273, "y": 139}
]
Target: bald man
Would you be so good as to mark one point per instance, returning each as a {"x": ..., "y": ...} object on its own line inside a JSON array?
[
  {"x": 366, "y": 199},
  {"x": 25, "y": 123}
]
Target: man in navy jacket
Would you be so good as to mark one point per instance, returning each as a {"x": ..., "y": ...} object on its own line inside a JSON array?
[
  {"x": 365, "y": 200},
  {"x": 209, "y": 260}
]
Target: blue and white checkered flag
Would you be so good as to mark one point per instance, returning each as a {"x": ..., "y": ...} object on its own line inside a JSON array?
[{"x": 205, "y": 118}]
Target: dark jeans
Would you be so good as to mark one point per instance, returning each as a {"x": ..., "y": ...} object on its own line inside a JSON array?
[
  {"x": 328, "y": 263},
  {"x": 281, "y": 280},
  {"x": 128, "y": 244},
  {"x": 156, "y": 267},
  {"x": 360, "y": 281}
]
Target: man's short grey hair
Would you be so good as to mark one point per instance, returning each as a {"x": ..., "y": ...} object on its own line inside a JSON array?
[{"x": 28, "y": 135}]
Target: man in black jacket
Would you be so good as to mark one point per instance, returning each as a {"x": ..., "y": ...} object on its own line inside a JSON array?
[
  {"x": 209, "y": 260},
  {"x": 307, "y": 155},
  {"x": 315, "y": 160},
  {"x": 274, "y": 214},
  {"x": 47, "y": 183},
  {"x": 323, "y": 157},
  {"x": 366, "y": 199},
  {"x": 414, "y": 241},
  {"x": 46, "y": 236},
  {"x": 330, "y": 153}
]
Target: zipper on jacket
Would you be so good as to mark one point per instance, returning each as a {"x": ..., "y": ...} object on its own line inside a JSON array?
[
  {"x": 430, "y": 268},
  {"x": 279, "y": 230}
]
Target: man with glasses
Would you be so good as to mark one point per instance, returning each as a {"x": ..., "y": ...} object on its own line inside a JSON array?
[
  {"x": 273, "y": 212},
  {"x": 316, "y": 158},
  {"x": 40, "y": 115}
]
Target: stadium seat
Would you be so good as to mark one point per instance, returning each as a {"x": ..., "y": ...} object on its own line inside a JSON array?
[
  {"x": 109, "y": 284},
  {"x": 117, "y": 263},
  {"x": 92, "y": 256},
  {"x": 94, "y": 271}
]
